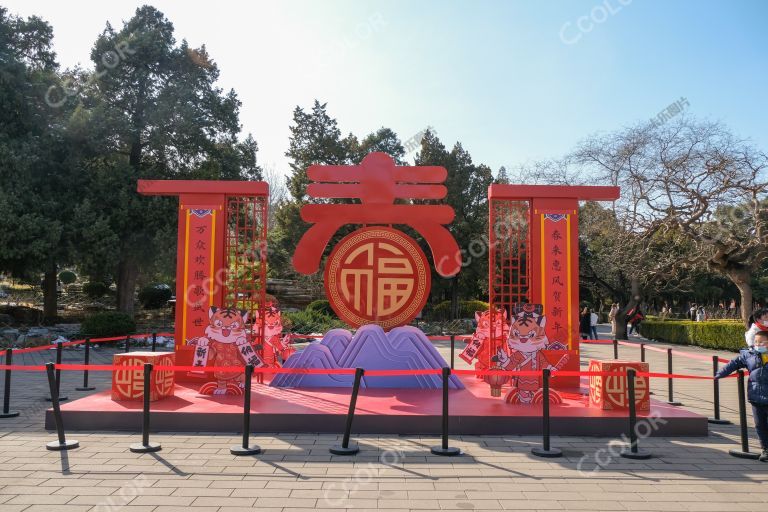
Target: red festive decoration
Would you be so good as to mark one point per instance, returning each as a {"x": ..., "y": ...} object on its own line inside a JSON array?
[
  {"x": 377, "y": 182},
  {"x": 534, "y": 258},
  {"x": 610, "y": 393},
  {"x": 496, "y": 381},
  {"x": 129, "y": 384},
  {"x": 377, "y": 275},
  {"x": 221, "y": 256}
]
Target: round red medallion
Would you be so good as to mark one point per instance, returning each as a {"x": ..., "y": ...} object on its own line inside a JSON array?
[{"x": 377, "y": 275}]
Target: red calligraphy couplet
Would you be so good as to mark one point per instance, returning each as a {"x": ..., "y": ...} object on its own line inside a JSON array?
[
  {"x": 199, "y": 253},
  {"x": 557, "y": 279}
]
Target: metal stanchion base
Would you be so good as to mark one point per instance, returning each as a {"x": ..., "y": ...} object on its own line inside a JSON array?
[
  {"x": 66, "y": 445},
  {"x": 717, "y": 421},
  {"x": 9, "y": 414},
  {"x": 744, "y": 455},
  {"x": 451, "y": 451},
  {"x": 549, "y": 454},
  {"x": 627, "y": 453},
  {"x": 340, "y": 450},
  {"x": 89, "y": 388},
  {"x": 245, "y": 450},
  {"x": 675, "y": 403},
  {"x": 145, "y": 448},
  {"x": 61, "y": 398}
]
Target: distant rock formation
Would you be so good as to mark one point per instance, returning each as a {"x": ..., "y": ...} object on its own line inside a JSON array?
[{"x": 403, "y": 348}]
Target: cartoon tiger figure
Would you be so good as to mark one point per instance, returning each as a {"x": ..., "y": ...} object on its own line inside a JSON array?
[
  {"x": 225, "y": 344},
  {"x": 527, "y": 338},
  {"x": 275, "y": 349},
  {"x": 478, "y": 347}
]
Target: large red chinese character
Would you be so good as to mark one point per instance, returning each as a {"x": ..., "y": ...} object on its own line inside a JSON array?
[{"x": 377, "y": 182}]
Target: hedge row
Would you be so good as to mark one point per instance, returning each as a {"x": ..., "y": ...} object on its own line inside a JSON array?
[
  {"x": 467, "y": 309},
  {"x": 716, "y": 334}
]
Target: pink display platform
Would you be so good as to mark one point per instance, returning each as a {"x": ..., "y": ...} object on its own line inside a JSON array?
[{"x": 382, "y": 411}]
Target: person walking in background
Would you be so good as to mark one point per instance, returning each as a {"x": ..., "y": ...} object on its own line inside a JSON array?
[
  {"x": 701, "y": 315},
  {"x": 612, "y": 317},
  {"x": 635, "y": 316},
  {"x": 584, "y": 321},
  {"x": 593, "y": 321},
  {"x": 755, "y": 359}
]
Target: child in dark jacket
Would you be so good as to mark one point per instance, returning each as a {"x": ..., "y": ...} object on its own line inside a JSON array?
[{"x": 755, "y": 360}]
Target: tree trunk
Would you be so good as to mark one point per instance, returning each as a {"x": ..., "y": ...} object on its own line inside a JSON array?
[
  {"x": 743, "y": 281},
  {"x": 50, "y": 298},
  {"x": 621, "y": 315},
  {"x": 127, "y": 274}
]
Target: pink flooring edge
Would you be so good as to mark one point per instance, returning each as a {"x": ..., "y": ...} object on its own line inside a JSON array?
[{"x": 396, "y": 411}]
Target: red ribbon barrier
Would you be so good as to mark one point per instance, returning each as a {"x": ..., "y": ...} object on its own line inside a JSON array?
[
  {"x": 351, "y": 371},
  {"x": 80, "y": 342},
  {"x": 654, "y": 349}
]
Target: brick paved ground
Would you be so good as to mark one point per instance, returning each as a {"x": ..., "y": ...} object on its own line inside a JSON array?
[{"x": 195, "y": 472}]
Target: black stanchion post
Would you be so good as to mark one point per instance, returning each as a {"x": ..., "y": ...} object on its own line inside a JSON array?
[
  {"x": 246, "y": 449},
  {"x": 444, "y": 449},
  {"x": 744, "y": 453},
  {"x": 716, "y": 420},
  {"x": 634, "y": 452},
  {"x": 345, "y": 448},
  {"x": 546, "y": 450},
  {"x": 86, "y": 362},
  {"x": 642, "y": 352},
  {"x": 61, "y": 443},
  {"x": 127, "y": 344},
  {"x": 145, "y": 445},
  {"x": 59, "y": 349},
  {"x": 154, "y": 341},
  {"x": 671, "y": 397},
  {"x": 615, "y": 349},
  {"x": 453, "y": 347},
  {"x": 7, "y": 412}
]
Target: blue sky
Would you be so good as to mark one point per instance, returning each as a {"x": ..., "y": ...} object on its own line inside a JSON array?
[{"x": 514, "y": 81}]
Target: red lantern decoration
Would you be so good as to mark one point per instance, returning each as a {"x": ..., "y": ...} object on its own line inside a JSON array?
[{"x": 496, "y": 381}]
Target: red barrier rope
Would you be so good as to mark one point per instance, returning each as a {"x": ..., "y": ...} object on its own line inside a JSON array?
[
  {"x": 654, "y": 349},
  {"x": 351, "y": 371},
  {"x": 82, "y": 341}
]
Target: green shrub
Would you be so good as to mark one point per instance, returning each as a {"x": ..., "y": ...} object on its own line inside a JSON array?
[
  {"x": 715, "y": 334},
  {"x": 67, "y": 277},
  {"x": 309, "y": 321},
  {"x": 467, "y": 309},
  {"x": 95, "y": 289},
  {"x": 155, "y": 296},
  {"x": 108, "y": 323},
  {"x": 321, "y": 306}
]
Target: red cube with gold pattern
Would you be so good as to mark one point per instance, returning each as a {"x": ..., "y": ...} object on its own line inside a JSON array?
[
  {"x": 610, "y": 392},
  {"x": 129, "y": 384}
]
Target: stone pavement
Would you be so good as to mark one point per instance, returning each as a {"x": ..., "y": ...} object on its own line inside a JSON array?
[{"x": 196, "y": 473}]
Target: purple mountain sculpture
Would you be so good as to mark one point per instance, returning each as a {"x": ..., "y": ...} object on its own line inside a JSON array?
[{"x": 403, "y": 348}]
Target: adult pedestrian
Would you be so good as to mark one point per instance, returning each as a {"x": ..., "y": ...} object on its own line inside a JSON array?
[{"x": 584, "y": 321}]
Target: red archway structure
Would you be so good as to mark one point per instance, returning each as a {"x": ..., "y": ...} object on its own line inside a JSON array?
[
  {"x": 221, "y": 255},
  {"x": 534, "y": 255}
]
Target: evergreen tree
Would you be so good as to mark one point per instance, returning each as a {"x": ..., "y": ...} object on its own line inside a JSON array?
[
  {"x": 39, "y": 185},
  {"x": 152, "y": 110},
  {"x": 467, "y": 185},
  {"x": 502, "y": 177}
]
